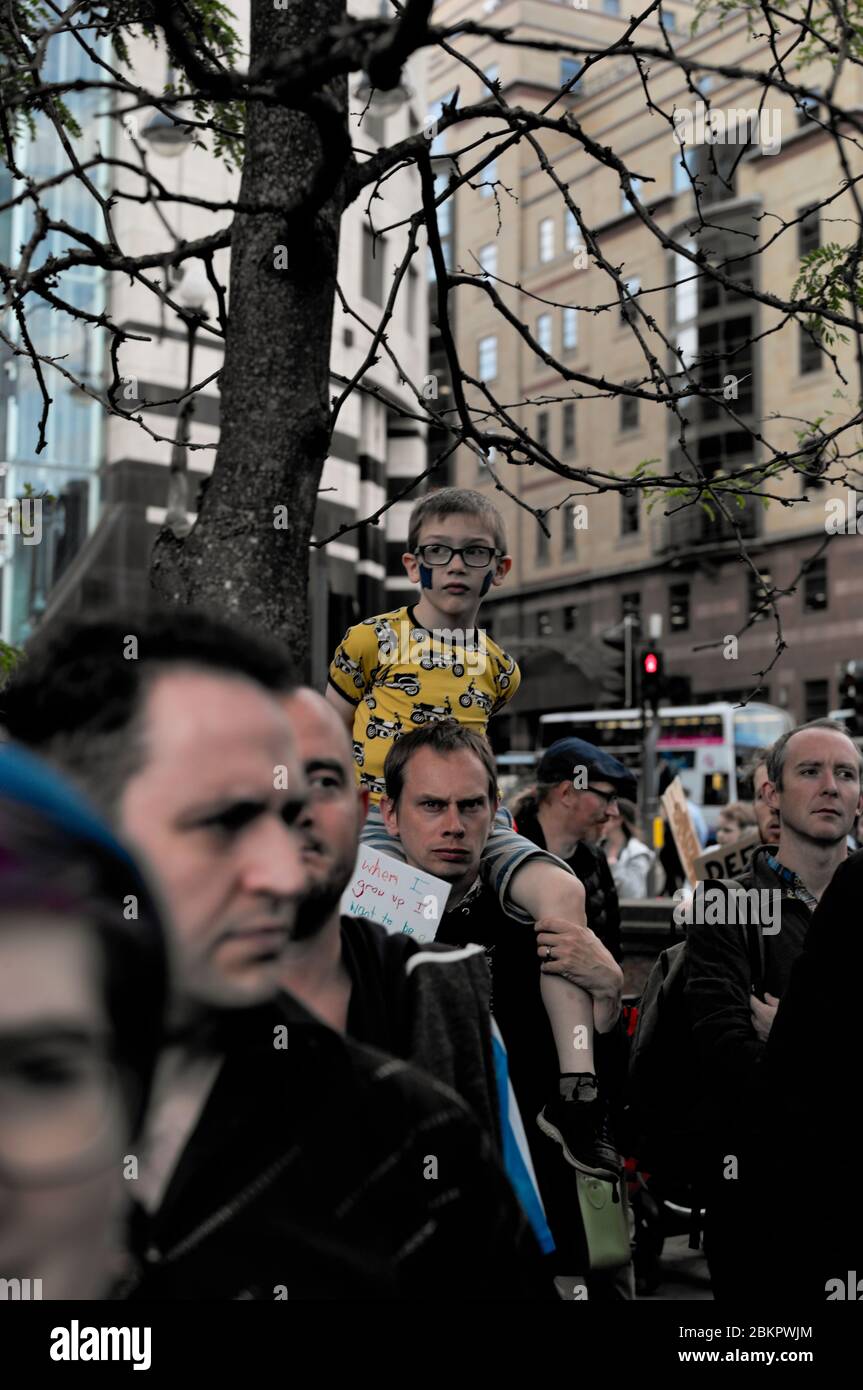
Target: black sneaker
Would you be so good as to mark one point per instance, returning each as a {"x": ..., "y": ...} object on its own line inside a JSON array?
[{"x": 582, "y": 1129}]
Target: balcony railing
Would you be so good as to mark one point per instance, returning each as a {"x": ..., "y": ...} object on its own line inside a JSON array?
[{"x": 693, "y": 527}]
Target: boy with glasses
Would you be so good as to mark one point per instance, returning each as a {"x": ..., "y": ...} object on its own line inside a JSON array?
[{"x": 398, "y": 670}]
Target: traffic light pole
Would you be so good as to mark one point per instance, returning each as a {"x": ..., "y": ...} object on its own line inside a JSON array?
[
  {"x": 650, "y": 788},
  {"x": 628, "y": 693},
  {"x": 651, "y": 690}
]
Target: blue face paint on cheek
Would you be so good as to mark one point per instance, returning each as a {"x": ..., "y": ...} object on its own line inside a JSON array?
[
  {"x": 425, "y": 576},
  {"x": 486, "y": 584}
]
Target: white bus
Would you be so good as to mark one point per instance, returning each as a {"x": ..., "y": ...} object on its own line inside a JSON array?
[{"x": 706, "y": 744}]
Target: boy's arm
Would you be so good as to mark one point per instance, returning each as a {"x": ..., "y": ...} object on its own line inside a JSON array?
[{"x": 343, "y": 707}]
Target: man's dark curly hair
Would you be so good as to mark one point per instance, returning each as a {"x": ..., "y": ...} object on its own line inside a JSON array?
[{"x": 77, "y": 696}]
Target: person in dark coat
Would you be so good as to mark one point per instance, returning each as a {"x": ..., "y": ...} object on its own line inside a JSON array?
[
  {"x": 814, "y": 783},
  {"x": 812, "y": 1074}
]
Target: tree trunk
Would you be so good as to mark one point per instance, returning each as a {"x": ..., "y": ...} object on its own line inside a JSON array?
[{"x": 239, "y": 557}]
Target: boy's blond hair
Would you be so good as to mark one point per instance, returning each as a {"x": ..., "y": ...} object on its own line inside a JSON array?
[{"x": 456, "y": 501}]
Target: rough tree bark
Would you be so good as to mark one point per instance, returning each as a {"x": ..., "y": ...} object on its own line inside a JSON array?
[{"x": 274, "y": 383}]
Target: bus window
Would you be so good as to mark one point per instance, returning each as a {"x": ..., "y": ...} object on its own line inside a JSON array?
[{"x": 758, "y": 726}]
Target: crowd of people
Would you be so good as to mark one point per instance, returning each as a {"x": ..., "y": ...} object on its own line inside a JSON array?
[{"x": 215, "y": 1085}]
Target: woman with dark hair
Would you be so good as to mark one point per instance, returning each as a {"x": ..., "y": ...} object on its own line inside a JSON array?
[
  {"x": 82, "y": 993},
  {"x": 629, "y": 858}
]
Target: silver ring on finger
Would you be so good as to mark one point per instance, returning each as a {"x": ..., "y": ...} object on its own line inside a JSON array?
[{"x": 548, "y": 953}]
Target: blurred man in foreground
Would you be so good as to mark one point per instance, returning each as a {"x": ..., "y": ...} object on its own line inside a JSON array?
[{"x": 82, "y": 992}]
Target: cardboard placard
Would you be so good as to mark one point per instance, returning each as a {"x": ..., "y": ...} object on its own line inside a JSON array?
[
  {"x": 684, "y": 832},
  {"x": 398, "y": 897},
  {"x": 727, "y": 861}
]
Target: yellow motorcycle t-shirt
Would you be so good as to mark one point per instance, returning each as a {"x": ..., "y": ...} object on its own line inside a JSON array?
[{"x": 400, "y": 676}]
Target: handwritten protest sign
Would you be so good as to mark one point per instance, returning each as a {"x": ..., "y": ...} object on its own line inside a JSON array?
[
  {"x": 685, "y": 836},
  {"x": 400, "y": 898},
  {"x": 727, "y": 861}
]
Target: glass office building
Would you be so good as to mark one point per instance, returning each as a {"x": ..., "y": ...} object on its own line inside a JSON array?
[{"x": 34, "y": 558}]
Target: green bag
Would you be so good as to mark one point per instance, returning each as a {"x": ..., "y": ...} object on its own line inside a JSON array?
[{"x": 603, "y": 1214}]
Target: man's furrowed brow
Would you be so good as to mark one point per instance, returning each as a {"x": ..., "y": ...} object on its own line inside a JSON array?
[{"x": 325, "y": 765}]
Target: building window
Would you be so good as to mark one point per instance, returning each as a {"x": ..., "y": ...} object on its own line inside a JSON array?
[
  {"x": 716, "y": 168},
  {"x": 815, "y": 592},
  {"x": 627, "y": 310},
  {"x": 543, "y": 332},
  {"x": 568, "y": 433},
  {"x": 542, "y": 429},
  {"x": 570, "y": 618},
  {"x": 543, "y": 545},
  {"x": 808, "y": 231},
  {"x": 570, "y": 329},
  {"x": 372, "y": 267},
  {"x": 630, "y": 513},
  {"x": 569, "y": 528},
  {"x": 491, "y": 74},
  {"x": 488, "y": 175},
  {"x": 637, "y": 186},
  {"x": 483, "y": 461},
  {"x": 487, "y": 359},
  {"x": 568, "y": 68},
  {"x": 611, "y": 6},
  {"x": 571, "y": 231},
  {"x": 816, "y": 700},
  {"x": 807, "y": 107},
  {"x": 668, "y": 20},
  {"x": 543, "y": 623},
  {"x": 680, "y": 176},
  {"x": 546, "y": 239},
  {"x": 759, "y": 588},
  {"x": 629, "y": 412},
  {"x": 678, "y": 607},
  {"x": 812, "y": 464},
  {"x": 810, "y": 351},
  {"x": 488, "y": 258}
]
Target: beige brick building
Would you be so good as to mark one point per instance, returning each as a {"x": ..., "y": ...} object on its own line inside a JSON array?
[{"x": 564, "y": 593}]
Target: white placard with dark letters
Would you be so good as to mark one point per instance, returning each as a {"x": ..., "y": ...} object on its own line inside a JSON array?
[{"x": 397, "y": 897}]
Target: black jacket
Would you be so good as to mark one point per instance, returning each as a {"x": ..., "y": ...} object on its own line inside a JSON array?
[
  {"x": 328, "y": 1170},
  {"x": 717, "y": 995},
  {"x": 414, "y": 1001},
  {"x": 818, "y": 1002},
  {"x": 812, "y": 1064}
]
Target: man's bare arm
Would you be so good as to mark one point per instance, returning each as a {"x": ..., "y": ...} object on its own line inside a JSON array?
[{"x": 554, "y": 897}]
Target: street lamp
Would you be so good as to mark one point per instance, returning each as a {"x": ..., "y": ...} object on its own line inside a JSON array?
[
  {"x": 382, "y": 103},
  {"x": 166, "y": 137},
  {"x": 163, "y": 133}
]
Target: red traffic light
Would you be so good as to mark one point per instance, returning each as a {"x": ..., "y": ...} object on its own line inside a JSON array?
[{"x": 651, "y": 663}]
